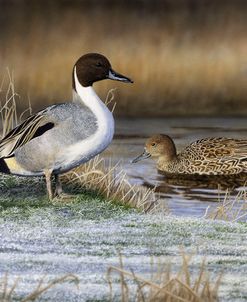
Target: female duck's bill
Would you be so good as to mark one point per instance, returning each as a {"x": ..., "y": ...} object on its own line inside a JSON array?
[
  {"x": 207, "y": 156},
  {"x": 144, "y": 155}
]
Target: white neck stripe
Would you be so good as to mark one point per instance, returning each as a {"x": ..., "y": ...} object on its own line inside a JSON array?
[{"x": 96, "y": 143}]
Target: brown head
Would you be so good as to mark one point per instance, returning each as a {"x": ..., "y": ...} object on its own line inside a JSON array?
[
  {"x": 94, "y": 67},
  {"x": 158, "y": 146}
]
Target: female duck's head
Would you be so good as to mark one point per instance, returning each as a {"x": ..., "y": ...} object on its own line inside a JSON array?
[
  {"x": 158, "y": 146},
  {"x": 95, "y": 67}
]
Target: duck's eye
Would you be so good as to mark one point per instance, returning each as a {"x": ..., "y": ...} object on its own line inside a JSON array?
[
  {"x": 153, "y": 144},
  {"x": 98, "y": 64}
]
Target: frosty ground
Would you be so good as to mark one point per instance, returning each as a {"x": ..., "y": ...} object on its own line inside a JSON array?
[{"x": 40, "y": 239}]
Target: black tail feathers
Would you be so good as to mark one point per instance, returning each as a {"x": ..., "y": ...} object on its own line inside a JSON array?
[{"x": 3, "y": 166}]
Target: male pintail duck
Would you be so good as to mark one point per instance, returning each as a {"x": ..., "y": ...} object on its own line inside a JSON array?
[
  {"x": 63, "y": 136},
  {"x": 208, "y": 156}
]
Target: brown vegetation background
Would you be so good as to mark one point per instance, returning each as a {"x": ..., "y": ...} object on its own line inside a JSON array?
[{"x": 187, "y": 57}]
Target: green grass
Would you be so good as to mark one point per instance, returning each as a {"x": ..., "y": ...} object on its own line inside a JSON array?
[{"x": 23, "y": 197}]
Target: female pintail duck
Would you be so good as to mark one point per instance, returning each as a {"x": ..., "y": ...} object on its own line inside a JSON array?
[
  {"x": 63, "y": 136},
  {"x": 208, "y": 156}
]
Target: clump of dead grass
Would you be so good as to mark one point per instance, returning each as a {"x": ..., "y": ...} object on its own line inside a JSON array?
[
  {"x": 165, "y": 286},
  {"x": 112, "y": 182},
  {"x": 230, "y": 209},
  {"x": 7, "y": 292}
]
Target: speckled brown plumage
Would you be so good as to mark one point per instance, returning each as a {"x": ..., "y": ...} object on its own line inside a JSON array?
[{"x": 208, "y": 156}]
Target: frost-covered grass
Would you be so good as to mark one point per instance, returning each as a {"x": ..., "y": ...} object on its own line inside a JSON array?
[
  {"x": 8, "y": 293},
  {"x": 84, "y": 237}
]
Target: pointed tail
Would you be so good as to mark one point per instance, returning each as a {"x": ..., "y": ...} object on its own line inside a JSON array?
[{"x": 3, "y": 166}]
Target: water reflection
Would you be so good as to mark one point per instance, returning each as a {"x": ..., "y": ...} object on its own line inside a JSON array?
[{"x": 184, "y": 197}]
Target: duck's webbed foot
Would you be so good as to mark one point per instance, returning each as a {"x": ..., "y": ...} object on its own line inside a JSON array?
[{"x": 59, "y": 194}]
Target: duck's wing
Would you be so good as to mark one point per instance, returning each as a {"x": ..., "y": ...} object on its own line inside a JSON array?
[
  {"x": 33, "y": 126},
  {"x": 218, "y": 155}
]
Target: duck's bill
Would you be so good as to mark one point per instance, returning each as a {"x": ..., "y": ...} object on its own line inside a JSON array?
[
  {"x": 113, "y": 75},
  {"x": 144, "y": 155}
]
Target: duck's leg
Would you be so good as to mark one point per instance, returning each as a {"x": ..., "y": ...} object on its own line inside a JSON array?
[
  {"x": 58, "y": 189},
  {"x": 48, "y": 174}
]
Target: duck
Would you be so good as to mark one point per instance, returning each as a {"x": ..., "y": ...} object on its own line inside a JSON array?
[
  {"x": 65, "y": 135},
  {"x": 207, "y": 156}
]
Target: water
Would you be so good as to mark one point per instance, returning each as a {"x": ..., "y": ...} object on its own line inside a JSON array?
[{"x": 190, "y": 198}]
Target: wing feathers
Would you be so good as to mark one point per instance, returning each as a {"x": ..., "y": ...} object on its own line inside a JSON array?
[
  {"x": 217, "y": 155},
  {"x": 32, "y": 127}
]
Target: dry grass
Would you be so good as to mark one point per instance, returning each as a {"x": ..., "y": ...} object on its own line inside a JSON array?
[
  {"x": 182, "y": 62},
  {"x": 9, "y": 117},
  {"x": 230, "y": 209},
  {"x": 112, "y": 182},
  {"x": 7, "y": 292},
  {"x": 167, "y": 286},
  {"x": 8, "y": 112}
]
